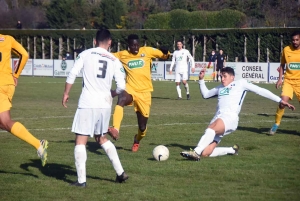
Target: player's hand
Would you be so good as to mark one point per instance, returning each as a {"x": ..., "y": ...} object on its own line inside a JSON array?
[
  {"x": 15, "y": 81},
  {"x": 201, "y": 74},
  {"x": 65, "y": 99},
  {"x": 290, "y": 106},
  {"x": 170, "y": 72},
  {"x": 193, "y": 70},
  {"x": 113, "y": 93},
  {"x": 278, "y": 84}
]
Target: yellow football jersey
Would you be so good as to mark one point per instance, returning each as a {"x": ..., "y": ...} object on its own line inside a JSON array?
[
  {"x": 7, "y": 45},
  {"x": 138, "y": 67},
  {"x": 291, "y": 58}
]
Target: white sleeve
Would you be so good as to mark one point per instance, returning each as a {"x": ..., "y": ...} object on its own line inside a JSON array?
[
  {"x": 191, "y": 59},
  {"x": 119, "y": 77},
  {"x": 205, "y": 92},
  {"x": 78, "y": 65},
  {"x": 261, "y": 91},
  {"x": 173, "y": 61}
]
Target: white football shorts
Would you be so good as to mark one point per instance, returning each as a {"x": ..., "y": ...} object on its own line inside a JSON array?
[
  {"x": 230, "y": 121},
  {"x": 181, "y": 76},
  {"x": 91, "y": 121}
]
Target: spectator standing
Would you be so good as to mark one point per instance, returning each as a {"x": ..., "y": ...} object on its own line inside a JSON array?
[
  {"x": 221, "y": 62},
  {"x": 19, "y": 25}
]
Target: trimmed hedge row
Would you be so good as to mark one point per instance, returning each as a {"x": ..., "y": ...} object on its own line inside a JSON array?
[{"x": 230, "y": 40}]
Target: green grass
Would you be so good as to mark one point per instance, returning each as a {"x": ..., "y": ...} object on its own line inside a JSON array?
[{"x": 267, "y": 167}]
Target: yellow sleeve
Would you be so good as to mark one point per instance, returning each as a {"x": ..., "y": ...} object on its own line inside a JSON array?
[
  {"x": 156, "y": 53},
  {"x": 19, "y": 50}
]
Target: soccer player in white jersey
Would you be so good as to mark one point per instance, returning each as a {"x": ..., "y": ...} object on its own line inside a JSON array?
[
  {"x": 180, "y": 58},
  {"x": 99, "y": 68},
  {"x": 230, "y": 95}
]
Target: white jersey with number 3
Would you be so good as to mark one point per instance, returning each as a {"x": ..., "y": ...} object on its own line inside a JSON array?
[
  {"x": 98, "y": 67},
  {"x": 180, "y": 57},
  {"x": 231, "y": 97}
]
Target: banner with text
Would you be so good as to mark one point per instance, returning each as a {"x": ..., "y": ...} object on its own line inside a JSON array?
[
  {"x": 42, "y": 67},
  {"x": 254, "y": 72},
  {"x": 157, "y": 70},
  {"x": 27, "y": 70}
]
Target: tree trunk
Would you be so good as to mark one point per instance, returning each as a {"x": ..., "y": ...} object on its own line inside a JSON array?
[
  {"x": 60, "y": 48},
  {"x": 28, "y": 46},
  {"x": 51, "y": 48},
  {"x": 43, "y": 48},
  {"x": 245, "y": 49},
  {"x": 34, "y": 47},
  {"x": 258, "y": 49},
  {"x": 204, "y": 47}
]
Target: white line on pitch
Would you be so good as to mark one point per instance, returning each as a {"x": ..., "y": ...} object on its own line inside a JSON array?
[{"x": 170, "y": 124}]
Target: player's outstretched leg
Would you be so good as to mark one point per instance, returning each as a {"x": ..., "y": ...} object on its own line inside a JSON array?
[
  {"x": 192, "y": 155},
  {"x": 42, "y": 152}
]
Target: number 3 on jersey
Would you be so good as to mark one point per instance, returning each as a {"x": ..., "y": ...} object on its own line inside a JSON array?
[{"x": 102, "y": 69}]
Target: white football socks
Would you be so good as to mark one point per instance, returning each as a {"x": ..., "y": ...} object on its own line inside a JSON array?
[
  {"x": 80, "y": 160},
  {"x": 186, "y": 86},
  {"x": 205, "y": 140},
  {"x": 221, "y": 151},
  {"x": 112, "y": 154},
  {"x": 178, "y": 91}
]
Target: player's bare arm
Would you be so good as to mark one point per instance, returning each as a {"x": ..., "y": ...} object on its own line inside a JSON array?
[{"x": 279, "y": 81}]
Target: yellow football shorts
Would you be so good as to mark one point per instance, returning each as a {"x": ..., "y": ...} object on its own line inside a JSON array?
[
  {"x": 6, "y": 95},
  {"x": 289, "y": 87},
  {"x": 141, "y": 101}
]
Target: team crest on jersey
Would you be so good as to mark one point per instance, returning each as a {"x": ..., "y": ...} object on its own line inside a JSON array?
[
  {"x": 63, "y": 65},
  {"x": 224, "y": 92},
  {"x": 294, "y": 66},
  {"x": 2, "y": 39},
  {"x": 142, "y": 55},
  {"x": 135, "y": 64}
]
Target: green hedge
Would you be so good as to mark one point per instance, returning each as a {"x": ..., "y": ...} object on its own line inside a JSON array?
[{"x": 230, "y": 40}]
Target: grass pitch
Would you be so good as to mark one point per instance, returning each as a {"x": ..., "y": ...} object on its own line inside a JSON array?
[{"x": 267, "y": 167}]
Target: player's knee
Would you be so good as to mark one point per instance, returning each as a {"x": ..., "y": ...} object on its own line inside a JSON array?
[{"x": 142, "y": 127}]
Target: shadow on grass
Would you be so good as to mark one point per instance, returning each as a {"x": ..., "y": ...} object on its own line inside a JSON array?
[
  {"x": 284, "y": 116},
  {"x": 266, "y": 131},
  {"x": 159, "y": 97},
  {"x": 17, "y": 173},
  {"x": 55, "y": 170}
]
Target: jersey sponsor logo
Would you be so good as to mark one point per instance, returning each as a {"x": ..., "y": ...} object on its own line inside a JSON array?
[
  {"x": 2, "y": 39},
  {"x": 179, "y": 58},
  {"x": 224, "y": 92},
  {"x": 294, "y": 66},
  {"x": 135, "y": 64}
]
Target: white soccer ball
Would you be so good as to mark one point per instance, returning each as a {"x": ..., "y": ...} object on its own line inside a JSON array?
[{"x": 160, "y": 153}]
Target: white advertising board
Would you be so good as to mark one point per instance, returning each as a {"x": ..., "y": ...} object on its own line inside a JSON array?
[
  {"x": 273, "y": 72},
  {"x": 167, "y": 71},
  {"x": 27, "y": 70},
  {"x": 157, "y": 70},
  {"x": 43, "y": 67},
  {"x": 254, "y": 72}
]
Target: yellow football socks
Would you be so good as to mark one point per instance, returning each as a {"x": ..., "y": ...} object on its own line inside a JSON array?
[
  {"x": 117, "y": 117},
  {"x": 21, "y": 132},
  {"x": 141, "y": 134},
  {"x": 278, "y": 116}
]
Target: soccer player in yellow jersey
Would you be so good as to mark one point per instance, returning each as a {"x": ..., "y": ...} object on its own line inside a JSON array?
[
  {"x": 8, "y": 82},
  {"x": 290, "y": 59},
  {"x": 137, "y": 64}
]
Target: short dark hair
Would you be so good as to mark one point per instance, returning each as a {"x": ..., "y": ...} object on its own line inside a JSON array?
[
  {"x": 228, "y": 70},
  {"x": 179, "y": 41},
  {"x": 103, "y": 35},
  {"x": 295, "y": 33},
  {"x": 132, "y": 37}
]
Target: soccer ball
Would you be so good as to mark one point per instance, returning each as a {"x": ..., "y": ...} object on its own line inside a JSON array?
[{"x": 160, "y": 153}]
